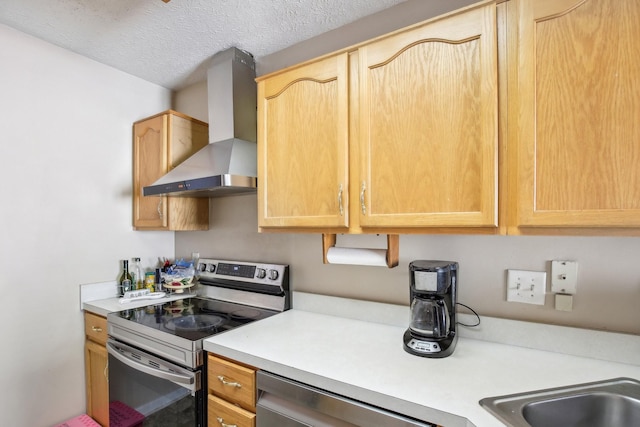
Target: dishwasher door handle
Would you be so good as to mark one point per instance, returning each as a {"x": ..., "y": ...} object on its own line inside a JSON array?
[{"x": 178, "y": 375}]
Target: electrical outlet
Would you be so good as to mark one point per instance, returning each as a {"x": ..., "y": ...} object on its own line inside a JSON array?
[{"x": 528, "y": 287}]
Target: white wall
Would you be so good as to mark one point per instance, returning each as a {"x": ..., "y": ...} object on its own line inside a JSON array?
[{"x": 65, "y": 213}]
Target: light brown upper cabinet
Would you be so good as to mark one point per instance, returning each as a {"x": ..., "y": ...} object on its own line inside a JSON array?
[
  {"x": 396, "y": 134},
  {"x": 160, "y": 143},
  {"x": 303, "y": 146},
  {"x": 575, "y": 96},
  {"x": 428, "y": 100}
]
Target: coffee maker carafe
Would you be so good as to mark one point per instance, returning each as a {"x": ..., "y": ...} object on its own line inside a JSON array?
[{"x": 432, "y": 331}]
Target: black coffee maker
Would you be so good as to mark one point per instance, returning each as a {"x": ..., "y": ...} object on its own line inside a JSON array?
[{"x": 432, "y": 331}]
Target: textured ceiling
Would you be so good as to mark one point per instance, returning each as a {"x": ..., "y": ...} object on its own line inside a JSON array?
[{"x": 169, "y": 43}]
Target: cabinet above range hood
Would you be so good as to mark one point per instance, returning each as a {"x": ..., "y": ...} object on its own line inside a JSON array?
[{"x": 228, "y": 164}]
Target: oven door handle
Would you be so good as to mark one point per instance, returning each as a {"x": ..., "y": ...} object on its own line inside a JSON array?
[{"x": 188, "y": 380}]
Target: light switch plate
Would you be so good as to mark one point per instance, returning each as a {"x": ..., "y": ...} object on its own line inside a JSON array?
[
  {"x": 564, "y": 277},
  {"x": 528, "y": 287}
]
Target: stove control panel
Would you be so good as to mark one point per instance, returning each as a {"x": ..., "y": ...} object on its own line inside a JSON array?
[{"x": 211, "y": 269}]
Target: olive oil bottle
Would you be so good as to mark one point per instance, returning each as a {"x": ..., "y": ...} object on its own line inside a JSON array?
[{"x": 124, "y": 283}]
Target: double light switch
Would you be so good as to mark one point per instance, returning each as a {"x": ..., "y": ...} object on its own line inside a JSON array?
[{"x": 528, "y": 287}]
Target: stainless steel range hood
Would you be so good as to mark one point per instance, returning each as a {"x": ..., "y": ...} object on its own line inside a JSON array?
[{"x": 228, "y": 164}]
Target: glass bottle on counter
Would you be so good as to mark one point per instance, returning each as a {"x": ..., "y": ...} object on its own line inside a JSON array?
[
  {"x": 158, "y": 280},
  {"x": 138, "y": 276},
  {"x": 124, "y": 283}
]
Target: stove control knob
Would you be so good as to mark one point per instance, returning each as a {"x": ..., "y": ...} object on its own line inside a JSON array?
[
  {"x": 202, "y": 266},
  {"x": 212, "y": 268},
  {"x": 273, "y": 274},
  {"x": 261, "y": 273}
]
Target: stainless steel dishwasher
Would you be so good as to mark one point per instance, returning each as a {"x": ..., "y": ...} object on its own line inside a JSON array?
[{"x": 286, "y": 403}]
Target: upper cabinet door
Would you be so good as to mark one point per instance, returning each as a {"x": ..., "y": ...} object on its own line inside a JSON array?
[
  {"x": 578, "y": 105},
  {"x": 303, "y": 147},
  {"x": 428, "y": 124},
  {"x": 150, "y": 158}
]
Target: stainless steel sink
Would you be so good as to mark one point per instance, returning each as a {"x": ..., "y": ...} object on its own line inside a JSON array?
[{"x": 609, "y": 403}]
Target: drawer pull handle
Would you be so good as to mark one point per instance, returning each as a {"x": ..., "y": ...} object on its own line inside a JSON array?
[
  {"x": 340, "y": 200},
  {"x": 221, "y": 421},
  {"x": 229, "y": 383},
  {"x": 96, "y": 329}
]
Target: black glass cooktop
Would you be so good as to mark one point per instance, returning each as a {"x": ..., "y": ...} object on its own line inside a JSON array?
[{"x": 194, "y": 318}]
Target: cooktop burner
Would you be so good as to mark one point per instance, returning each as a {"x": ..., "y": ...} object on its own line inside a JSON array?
[{"x": 194, "y": 318}]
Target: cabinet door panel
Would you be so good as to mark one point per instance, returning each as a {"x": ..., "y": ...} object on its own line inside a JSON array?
[
  {"x": 302, "y": 154},
  {"x": 150, "y": 157},
  {"x": 96, "y": 360},
  {"x": 428, "y": 102},
  {"x": 579, "y": 103}
]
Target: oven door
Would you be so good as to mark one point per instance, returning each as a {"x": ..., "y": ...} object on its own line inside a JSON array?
[{"x": 145, "y": 390}]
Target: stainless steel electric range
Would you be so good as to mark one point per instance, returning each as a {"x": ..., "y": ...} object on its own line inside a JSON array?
[{"x": 157, "y": 367}]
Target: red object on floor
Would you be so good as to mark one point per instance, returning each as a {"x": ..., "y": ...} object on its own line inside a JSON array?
[
  {"x": 121, "y": 415},
  {"x": 83, "y": 420}
]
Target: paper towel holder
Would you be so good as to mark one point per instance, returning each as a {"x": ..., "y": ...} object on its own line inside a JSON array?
[{"x": 393, "y": 248}]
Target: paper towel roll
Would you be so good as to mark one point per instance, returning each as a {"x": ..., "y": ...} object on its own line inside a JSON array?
[{"x": 357, "y": 256}]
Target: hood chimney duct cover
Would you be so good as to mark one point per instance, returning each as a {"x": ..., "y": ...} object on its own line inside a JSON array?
[{"x": 228, "y": 164}]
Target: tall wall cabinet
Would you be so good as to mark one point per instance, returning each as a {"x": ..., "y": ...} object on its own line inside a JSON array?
[
  {"x": 575, "y": 95},
  {"x": 514, "y": 116},
  {"x": 160, "y": 143}
]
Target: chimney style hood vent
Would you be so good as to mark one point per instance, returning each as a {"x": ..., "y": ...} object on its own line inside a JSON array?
[{"x": 228, "y": 164}]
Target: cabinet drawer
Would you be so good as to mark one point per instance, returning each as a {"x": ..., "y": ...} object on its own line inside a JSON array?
[
  {"x": 222, "y": 412},
  {"x": 232, "y": 382},
  {"x": 95, "y": 327}
]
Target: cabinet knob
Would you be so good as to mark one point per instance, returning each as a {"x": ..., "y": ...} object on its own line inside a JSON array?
[
  {"x": 96, "y": 329},
  {"x": 362, "y": 205},
  {"x": 340, "y": 200}
]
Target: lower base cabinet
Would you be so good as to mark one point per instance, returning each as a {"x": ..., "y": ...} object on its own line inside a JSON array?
[
  {"x": 96, "y": 365},
  {"x": 231, "y": 388}
]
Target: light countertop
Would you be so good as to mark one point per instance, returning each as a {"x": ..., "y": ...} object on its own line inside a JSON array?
[
  {"x": 328, "y": 343},
  {"x": 101, "y": 299},
  {"x": 333, "y": 344},
  {"x": 109, "y": 305}
]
